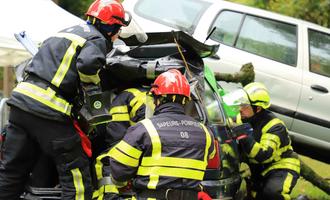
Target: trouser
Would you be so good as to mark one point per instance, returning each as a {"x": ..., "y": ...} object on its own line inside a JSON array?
[
  {"x": 27, "y": 135},
  {"x": 276, "y": 185}
]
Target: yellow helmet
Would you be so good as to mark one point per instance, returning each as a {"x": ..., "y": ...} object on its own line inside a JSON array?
[{"x": 258, "y": 94}]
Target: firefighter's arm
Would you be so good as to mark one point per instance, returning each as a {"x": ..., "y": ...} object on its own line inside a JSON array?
[
  {"x": 90, "y": 60},
  {"x": 125, "y": 156},
  {"x": 266, "y": 150},
  {"x": 120, "y": 119},
  {"x": 115, "y": 132}
]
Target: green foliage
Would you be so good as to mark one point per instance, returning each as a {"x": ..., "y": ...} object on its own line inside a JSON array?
[
  {"x": 316, "y": 11},
  {"x": 76, "y": 7}
]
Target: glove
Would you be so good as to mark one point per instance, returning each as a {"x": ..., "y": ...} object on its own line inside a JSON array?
[
  {"x": 203, "y": 196},
  {"x": 242, "y": 131}
]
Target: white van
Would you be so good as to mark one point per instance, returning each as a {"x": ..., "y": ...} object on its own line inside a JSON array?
[{"x": 291, "y": 57}]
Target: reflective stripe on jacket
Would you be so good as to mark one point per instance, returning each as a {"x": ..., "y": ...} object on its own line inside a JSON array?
[
  {"x": 163, "y": 152},
  {"x": 271, "y": 146}
]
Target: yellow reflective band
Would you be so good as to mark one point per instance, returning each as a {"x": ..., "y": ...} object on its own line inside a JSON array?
[
  {"x": 119, "y": 110},
  {"x": 285, "y": 148},
  {"x": 78, "y": 184},
  {"x": 69, "y": 54},
  {"x": 65, "y": 65},
  {"x": 46, "y": 97},
  {"x": 225, "y": 164},
  {"x": 286, "y": 187},
  {"x": 80, "y": 41},
  {"x": 95, "y": 194},
  {"x": 174, "y": 162},
  {"x": 155, "y": 140},
  {"x": 226, "y": 148},
  {"x": 257, "y": 147},
  {"x": 120, "y": 117},
  {"x": 267, "y": 142},
  {"x": 208, "y": 144},
  {"x": 105, "y": 189},
  {"x": 251, "y": 160},
  {"x": 110, "y": 189},
  {"x": 284, "y": 163},
  {"x": 254, "y": 151},
  {"x": 134, "y": 91},
  {"x": 139, "y": 103},
  {"x": 270, "y": 124},
  {"x": 123, "y": 158},
  {"x": 156, "y": 149},
  {"x": 171, "y": 172},
  {"x": 99, "y": 166},
  {"x": 271, "y": 158},
  {"x": 153, "y": 181},
  {"x": 129, "y": 150},
  {"x": 212, "y": 154},
  {"x": 253, "y": 194},
  {"x": 239, "y": 119},
  {"x": 94, "y": 78}
]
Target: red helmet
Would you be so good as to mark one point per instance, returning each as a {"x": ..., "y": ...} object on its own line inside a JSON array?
[
  {"x": 108, "y": 11},
  {"x": 171, "y": 82}
]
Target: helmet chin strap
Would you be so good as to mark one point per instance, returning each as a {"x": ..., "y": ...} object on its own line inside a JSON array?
[
  {"x": 104, "y": 28},
  {"x": 255, "y": 109}
]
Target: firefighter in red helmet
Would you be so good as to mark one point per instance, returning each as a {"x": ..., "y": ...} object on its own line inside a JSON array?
[
  {"x": 166, "y": 155},
  {"x": 42, "y": 105}
]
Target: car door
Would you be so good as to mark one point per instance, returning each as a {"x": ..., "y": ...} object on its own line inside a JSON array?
[
  {"x": 313, "y": 117},
  {"x": 272, "y": 48}
]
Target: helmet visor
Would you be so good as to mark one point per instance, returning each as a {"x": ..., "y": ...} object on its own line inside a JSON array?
[
  {"x": 236, "y": 98},
  {"x": 134, "y": 29}
]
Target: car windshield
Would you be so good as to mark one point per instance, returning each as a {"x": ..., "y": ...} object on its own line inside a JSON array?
[{"x": 179, "y": 14}]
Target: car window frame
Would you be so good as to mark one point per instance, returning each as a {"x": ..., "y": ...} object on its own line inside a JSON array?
[
  {"x": 309, "y": 50},
  {"x": 240, "y": 28}
]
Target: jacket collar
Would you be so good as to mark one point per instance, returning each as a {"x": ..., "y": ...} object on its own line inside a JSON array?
[{"x": 174, "y": 108}]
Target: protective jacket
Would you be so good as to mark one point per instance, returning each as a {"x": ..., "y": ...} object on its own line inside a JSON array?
[
  {"x": 169, "y": 150},
  {"x": 126, "y": 110},
  {"x": 270, "y": 147},
  {"x": 54, "y": 77}
]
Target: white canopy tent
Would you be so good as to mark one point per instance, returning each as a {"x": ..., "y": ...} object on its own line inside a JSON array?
[{"x": 38, "y": 18}]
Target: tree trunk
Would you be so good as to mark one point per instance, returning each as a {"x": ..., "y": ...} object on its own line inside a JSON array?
[
  {"x": 244, "y": 76},
  {"x": 309, "y": 174}
]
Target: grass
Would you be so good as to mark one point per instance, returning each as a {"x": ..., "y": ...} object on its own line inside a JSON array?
[{"x": 305, "y": 187}]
